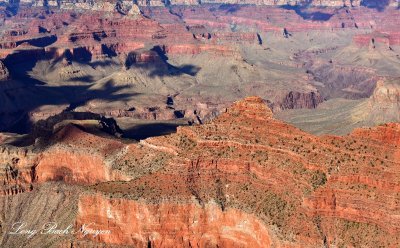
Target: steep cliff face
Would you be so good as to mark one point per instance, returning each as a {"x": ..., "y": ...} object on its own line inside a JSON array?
[
  {"x": 297, "y": 100},
  {"x": 17, "y": 171},
  {"x": 384, "y": 104},
  {"x": 171, "y": 224},
  {"x": 79, "y": 165},
  {"x": 386, "y": 92},
  {"x": 4, "y": 74},
  {"x": 68, "y": 158}
]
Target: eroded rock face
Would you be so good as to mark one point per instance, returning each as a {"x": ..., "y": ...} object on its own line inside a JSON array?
[
  {"x": 17, "y": 170},
  {"x": 171, "y": 224},
  {"x": 296, "y": 100},
  {"x": 384, "y": 104},
  {"x": 61, "y": 163},
  {"x": 221, "y": 184},
  {"x": 386, "y": 92},
  {"x": 4, "y": 74}
]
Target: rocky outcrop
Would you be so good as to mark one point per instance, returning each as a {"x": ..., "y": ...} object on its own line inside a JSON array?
[
  {"x": 4, "y": 74},
  {"x": 386, "y": 92},
  {"x": 384, "y": 104},
  {"x": 22, "y": 167},
  {"x": 387, "y": 133},
  {"x": 297, "y": 100},
  {"x": 387, "y": 40},
  {"x": 216, "y": 184},
  {"x": 60, "y": 163},
  {"x": 17, "y": 172},
  {"x": 46, "y": 127},
  {"x": 262, "y": 154}
]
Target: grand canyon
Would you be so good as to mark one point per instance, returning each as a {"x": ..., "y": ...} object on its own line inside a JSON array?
[{"x": 200, "y": 123}]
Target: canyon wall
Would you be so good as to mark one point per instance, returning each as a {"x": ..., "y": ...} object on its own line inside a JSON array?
[
  {"x": 384, "y": 104},
  {"x": 171, "y": 225}
]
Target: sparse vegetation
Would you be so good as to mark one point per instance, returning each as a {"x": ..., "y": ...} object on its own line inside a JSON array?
[
  {"x": 277, "y": 210},
  {"x": 318, "y": 179}
]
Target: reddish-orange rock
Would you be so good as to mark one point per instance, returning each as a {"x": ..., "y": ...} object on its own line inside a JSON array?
[
  {"x": 169, "y": 224},
  {"x": 80, "y": 164}
]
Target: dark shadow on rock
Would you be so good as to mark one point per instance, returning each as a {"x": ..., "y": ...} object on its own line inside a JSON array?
[
  {"x": 229, "y": 8},
  {"x": 63, "y": 174},
  {"x": 27, "y": 93},
  {"x": 43, "y": 30},
  {"x": 82, "y": 55},
  {"x": 303, "y": 12},
  {"x": 42, "y": 133},
  {"x": 12, "y": 7},
  {"x": 42, "y": 41},
  {"x": 189, "y": 69},
  {"x": 379, "y": 5},
  {"x": 108, "y": 51},
  {"x": 160, "y": 66},
  {"x": 20, "y": 62},
  {"x": 101, "y": 63},
  {"x": 144, "y": 131},
  {"x": 86, "y": 79}
]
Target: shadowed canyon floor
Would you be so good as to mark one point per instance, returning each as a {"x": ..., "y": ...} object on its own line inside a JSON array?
[{"x": 219, "y": 184}]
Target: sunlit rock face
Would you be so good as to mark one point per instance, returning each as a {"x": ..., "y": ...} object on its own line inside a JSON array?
[
  {"x": 171, "y": 225},
  {"x": 384, "y": 104}
]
